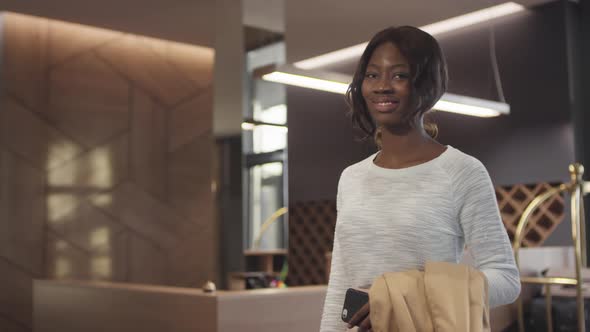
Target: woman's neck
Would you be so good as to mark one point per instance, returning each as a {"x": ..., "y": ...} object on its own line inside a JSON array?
[{"x": 399, "y": 149}]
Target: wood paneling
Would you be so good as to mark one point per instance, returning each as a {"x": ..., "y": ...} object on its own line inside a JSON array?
[
  {"x": 190, "y": 120},
  {"x": 66, "y": 261},
  {"x": 149, "y": 137},
  {"x": 143, "y": 214},
  {"x": 45, "y": 149},
  {"x": 100, "y": 168},
  {"x": 24, "y": 59},
  {"x": 22, "y": 212},
  {"x": 16, "y": 287},
  {"x": 9, "y": 325},
  {"x": 186, "y": 185},
  {"x": 148, "y": 263},
  {"x": 88, "y": 100},
  {"x": 183, "y": 56},
  {"x": 133, "y": 57},
  {"x": 105, "y": 160},
  {"x": 87, "y": 227},
  {"x": 67, "y": 40}
]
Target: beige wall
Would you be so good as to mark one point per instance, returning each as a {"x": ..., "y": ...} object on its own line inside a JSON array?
[{"x": 105, "y": 160}]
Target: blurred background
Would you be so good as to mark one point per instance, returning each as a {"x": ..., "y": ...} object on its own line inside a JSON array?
[{"x": 146, "y": 149}]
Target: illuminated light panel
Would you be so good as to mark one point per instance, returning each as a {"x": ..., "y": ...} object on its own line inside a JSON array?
[
  {"x": 306, "y": 82},
  {"x": 471, "y": 106},
  {"x": 447, "y": 25},
  {"x": 334, "y": 82}
]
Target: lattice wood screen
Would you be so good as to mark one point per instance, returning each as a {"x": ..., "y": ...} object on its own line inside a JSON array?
[
  {"x": 513, "y": 200},
  {"x": 311, "y": 228},
  {"x": 311, "y": 235}
]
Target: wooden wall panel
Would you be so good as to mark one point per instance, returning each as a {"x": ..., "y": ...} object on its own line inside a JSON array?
[
  {"x": 133, "y": 58},
  {"x": 24, "y": 59},
  {"x": 45, "y": 149},
  {"x": 186, "y": 125},
  {"x": 105, "y": 160},
  {"x": 65, "y": 260},
  {"x": 68, "y": 40},
  {"x": 149, "y": 137},
  {"x": 88, "y": 100},
  {"x": 16, "y": 287},
  {"x": 148, "y": 262},
  {"x": 9, "y": 325},
  {"x": 22, "y": 213}
]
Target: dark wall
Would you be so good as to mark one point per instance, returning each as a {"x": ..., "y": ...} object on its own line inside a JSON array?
[
  {"x": 228, "y": 176},
  {"x": 533, "y": 144},
  {"x": 321, "y": 143}
]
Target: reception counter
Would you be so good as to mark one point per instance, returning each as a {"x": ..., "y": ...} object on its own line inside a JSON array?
[{"x": 72, "y": 306}]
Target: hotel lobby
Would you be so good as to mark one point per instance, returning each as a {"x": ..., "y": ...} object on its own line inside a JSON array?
[{"x": 173, "y": 165}]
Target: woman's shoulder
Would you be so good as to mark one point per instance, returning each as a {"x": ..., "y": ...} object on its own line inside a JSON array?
[
  {"x": 460, "y": 164},
  {"x": 358, "y": 168}
]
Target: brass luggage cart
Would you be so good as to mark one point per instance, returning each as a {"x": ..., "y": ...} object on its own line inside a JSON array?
[{"x": 576, "y": 188}]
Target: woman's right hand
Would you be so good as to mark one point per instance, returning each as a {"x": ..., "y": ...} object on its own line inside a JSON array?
[{"x": 361, "y": 319}]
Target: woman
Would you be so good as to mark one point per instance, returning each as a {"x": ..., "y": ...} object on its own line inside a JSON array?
[{"x": 415, "y": 200}]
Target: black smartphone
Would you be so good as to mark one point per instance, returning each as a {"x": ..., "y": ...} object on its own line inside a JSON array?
[{"x": 353, "y": 301}]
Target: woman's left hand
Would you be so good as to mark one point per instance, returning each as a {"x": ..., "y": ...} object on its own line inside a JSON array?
[{"x": 361, "y": 319}]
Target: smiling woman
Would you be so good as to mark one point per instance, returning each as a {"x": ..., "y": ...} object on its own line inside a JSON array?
[
  {"x": 395, "y": 62},
  {"x": 414, "y": 201}
]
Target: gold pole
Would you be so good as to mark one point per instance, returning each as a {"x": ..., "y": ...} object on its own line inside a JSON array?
[
  {"x": 274, "y": 217},
  {"x": 522, "y": 223},
  {"x": 548, "y": 310},
  {"x": 576, "y": 172}
]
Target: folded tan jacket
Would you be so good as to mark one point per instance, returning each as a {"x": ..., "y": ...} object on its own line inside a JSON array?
[{"x": 445, "y": 297}]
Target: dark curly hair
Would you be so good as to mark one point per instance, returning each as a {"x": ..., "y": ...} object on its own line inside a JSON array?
[{"x": 428, "y": 70}]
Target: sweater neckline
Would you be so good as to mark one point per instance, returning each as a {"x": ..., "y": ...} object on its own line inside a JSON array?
[{"x": 410, "y": 169}]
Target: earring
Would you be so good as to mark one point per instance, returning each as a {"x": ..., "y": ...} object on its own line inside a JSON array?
[{"x": 377, "y": 138}]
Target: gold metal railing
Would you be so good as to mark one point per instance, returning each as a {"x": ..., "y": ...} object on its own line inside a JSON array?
[
  {"x": 267, "y": 223},
  {"x": 577, "y": 188}
]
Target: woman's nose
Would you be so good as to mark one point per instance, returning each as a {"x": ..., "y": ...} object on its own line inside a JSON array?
[{"x": 383, "y": 85}]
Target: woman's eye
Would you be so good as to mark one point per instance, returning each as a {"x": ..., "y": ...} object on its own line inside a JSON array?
[
  {"x": 400, "y": 76},
  {"x": 370, "y": 75}
]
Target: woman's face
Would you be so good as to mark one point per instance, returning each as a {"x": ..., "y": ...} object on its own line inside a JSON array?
[{"x": 386, "y": 86}]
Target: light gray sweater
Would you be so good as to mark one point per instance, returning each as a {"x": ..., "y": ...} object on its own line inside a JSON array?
[{"x": 397, "y": 219}]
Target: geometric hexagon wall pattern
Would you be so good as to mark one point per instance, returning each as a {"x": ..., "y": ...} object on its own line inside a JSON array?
[{"x": 102, "y": 174}]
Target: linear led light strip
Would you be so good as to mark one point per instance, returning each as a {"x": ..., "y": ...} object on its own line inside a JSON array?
[
  {"x": 454, "y": 23},
  {"x": 281, "y": 76},
  {"x": 334, "y": 82},
  {"x": 471, "y": 106}
]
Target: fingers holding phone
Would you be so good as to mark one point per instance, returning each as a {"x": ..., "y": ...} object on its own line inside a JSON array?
[
  {"x": 361, "y": 319},
  {"x": 355, "y": 311}
]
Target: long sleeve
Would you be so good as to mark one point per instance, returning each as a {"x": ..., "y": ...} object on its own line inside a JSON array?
[
  {"x": 485, "y": 235},
  {"x": 337, "y": 285}
]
